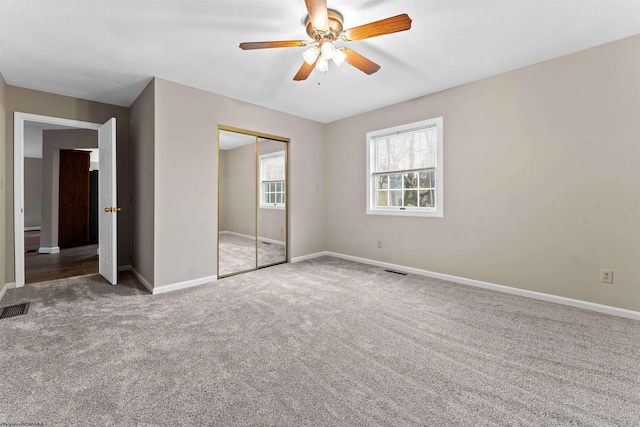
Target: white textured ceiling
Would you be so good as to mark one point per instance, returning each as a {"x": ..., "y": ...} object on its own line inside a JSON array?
[
  {"x": 231, "y": 140},
  {"x": 108, "y": 50}
]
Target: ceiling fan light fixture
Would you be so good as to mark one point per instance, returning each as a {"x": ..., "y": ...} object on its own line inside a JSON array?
[
  {"x": 327, "y": 49},
  {"x": 322, "y": 65},
  {"x": 339, "y": 56},
  {"x": 310, "y": 55}
]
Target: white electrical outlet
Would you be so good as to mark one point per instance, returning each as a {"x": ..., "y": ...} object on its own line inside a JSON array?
[
  {"x": 606, "y": 276},
  {"x": 379, "y": 244}
]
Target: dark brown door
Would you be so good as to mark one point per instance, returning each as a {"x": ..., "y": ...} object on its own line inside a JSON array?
[{"x": 73, "y": 219}]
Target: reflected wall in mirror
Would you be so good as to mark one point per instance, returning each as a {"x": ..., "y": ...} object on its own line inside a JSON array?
[{"x": 252, "y": 201}]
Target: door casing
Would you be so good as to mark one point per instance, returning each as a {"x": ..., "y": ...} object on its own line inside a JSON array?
[{"x": 19, "y": 120}]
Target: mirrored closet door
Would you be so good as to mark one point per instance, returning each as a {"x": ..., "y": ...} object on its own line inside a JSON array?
[{"x": 252, "y": 200}]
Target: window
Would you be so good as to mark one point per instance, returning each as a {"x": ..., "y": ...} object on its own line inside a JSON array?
[
  {"x": 272, "y": 180},
  {"x": 405, "y": 170}
]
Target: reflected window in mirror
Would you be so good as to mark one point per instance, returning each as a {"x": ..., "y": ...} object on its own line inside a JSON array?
[{"x": 272, "y": 180}]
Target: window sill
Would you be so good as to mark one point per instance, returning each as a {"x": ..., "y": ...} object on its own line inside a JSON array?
[
  {"x": 398, "y": 212},
  {"x": 281, "y": 208}
]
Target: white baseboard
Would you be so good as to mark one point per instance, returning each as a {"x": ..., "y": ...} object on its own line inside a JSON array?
[
  {"x": 244, "y": 236},
  {"x": 32, "y": 228},
  {"x": 4, "y": 288},
  {"x": 261, "y": 239},
  {"x": 45, "y": 250},
  {"x": 142, "y": 280},
  {"x": 124, "y": 268},
  {"x": 310, "y": 256},
  {"x": 272, "y": 241},
  {"x": 173, "y": 287},
  {"x": 586, "y": 305},
  {"x": 183, "y": 285}
]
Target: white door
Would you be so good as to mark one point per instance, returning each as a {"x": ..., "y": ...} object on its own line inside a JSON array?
[{"x": 107, "y": 208}]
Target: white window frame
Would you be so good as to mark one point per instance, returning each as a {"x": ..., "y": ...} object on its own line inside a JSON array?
[
  {"x": 263, "y": 205},
  {"x": 434, "y": 212}
]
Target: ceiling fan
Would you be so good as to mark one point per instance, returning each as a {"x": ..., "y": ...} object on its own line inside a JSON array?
[{"x": 324, "y": 26}]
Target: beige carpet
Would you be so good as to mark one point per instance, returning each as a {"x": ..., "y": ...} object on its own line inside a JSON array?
[{"x": 323, "y": 342}]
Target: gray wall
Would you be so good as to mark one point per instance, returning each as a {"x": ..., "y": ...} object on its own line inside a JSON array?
[
  {"x": 142, "y": 180},
  {"x": 542, "y": 180},
  {"x": 32, "y": 192},
  {"x": 4, "y": 278},
  {"x": 52, "y": 142},
  {"x": 49, "y": 104},
  {"x": 186, "y": 177},
  {"x": 238, "y": 190}
]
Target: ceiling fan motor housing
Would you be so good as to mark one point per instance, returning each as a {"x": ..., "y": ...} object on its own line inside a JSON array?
[{"x": 335, "y": 27}]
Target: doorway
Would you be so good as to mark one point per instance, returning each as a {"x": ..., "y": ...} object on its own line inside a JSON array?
[
  {"x": 84, "y": 256},
  {"x": 60, "y": 166}
]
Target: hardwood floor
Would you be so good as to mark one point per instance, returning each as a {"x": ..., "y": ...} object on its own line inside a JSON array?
[{"x": 69, "y": 262}]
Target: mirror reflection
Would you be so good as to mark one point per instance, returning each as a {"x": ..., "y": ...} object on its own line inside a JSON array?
[
  {"x": 252, "y": 218},
  {"x": 237, "y": 203},
  {"x": 272, "y": 187}
]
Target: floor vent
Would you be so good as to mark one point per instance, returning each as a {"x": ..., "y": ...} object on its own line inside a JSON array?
[
  {"x": 396, "y": 272},
  {"x": 14, "y": 310}
]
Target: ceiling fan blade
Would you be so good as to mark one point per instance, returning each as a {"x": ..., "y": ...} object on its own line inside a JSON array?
[
  {"x": 267, "y": 45},
  {"x": 360, "y": 62},
  {"x": 304, "y": 71},
  {"x": 318, "y": 14},
  {"x": 379, "y": 28}
]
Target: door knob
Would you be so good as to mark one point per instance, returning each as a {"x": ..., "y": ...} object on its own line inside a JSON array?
[{"x": 112, "y": 209}]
